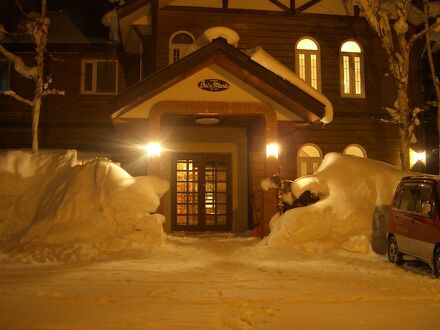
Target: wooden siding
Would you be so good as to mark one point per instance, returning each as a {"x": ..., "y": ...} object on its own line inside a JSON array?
[
  {"x": 70, "y": 121},
  {"x": 277, "y": 34}
]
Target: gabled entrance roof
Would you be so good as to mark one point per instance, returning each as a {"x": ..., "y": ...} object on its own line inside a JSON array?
[{"x": 237, "y": 64}]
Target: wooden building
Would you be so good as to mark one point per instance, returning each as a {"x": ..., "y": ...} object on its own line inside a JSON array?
[{"x": 220, "y": 85}]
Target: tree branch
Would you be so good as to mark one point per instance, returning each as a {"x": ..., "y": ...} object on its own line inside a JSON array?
[
  {"x": 417, "y": 36},
  {"x": 19, "y": 65},
  {"x": 17, "y": 97},
  {"x": 53, "y": 92}
]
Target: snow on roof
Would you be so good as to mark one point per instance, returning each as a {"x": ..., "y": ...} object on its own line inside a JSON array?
[
  {"x": 260, "y": 56},
  {"x": 354, "y": 195},
  {"x": 65, "y": 209},
  {"x": 210, "y": 34}
]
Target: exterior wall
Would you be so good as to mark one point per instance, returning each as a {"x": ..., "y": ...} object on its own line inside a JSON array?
[
  {"x": 70, "y": 121},
  {"x": 355, "y": 119}
]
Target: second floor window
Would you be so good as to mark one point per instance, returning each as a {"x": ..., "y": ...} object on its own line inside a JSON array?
[
  {"x": 179, "y": 42},
  {"x": 5, "y": 75},
  {"x": 99, "y": 76},
  {"x": 308, "y": 62},
  {"x": 352, "y": 70}
]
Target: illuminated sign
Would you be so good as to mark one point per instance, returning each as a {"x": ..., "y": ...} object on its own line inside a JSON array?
[{"x": 213, "y": 85}]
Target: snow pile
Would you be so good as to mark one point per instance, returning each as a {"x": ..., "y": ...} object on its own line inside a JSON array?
[
  {"x": 54, "y": 207},
  {"x": 260, "y": 56},
  {"x": 210, "y": 34},
  {"x": 354, "y": 195}
]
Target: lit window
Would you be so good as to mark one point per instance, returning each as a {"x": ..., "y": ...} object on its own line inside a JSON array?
[
  {"x": 308, "y": 159},
  {"x": 5, "y": 75},
  {"x": 307, "y": 62},
  {"x": 352, "y": 70},
  {"x": 355, "y": 150},
  {"x": 99, "y": 76},
  {"x": 179, "y": 42}
]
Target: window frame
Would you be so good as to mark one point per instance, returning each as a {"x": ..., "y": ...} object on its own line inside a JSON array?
[
  {"x": 94, "y": 62},
  {"x": 309, "y": 161},
  {"x": 307, "y": 62},
  {"x": 351, "y": 71},
  {"x": 8, "y": 74},
  {"x": 180, "y": 47},
  {"x": 357, "y": 146}
]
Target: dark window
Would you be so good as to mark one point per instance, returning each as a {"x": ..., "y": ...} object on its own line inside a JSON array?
[
  {"x": 5, "y": 75},
  {"x": 182, "y": 38},
  {"x": 99, "y": 77},
  {"x": 106, "y": 77},
  {"x": 408, "y": 201},
  {"x": 88, "y": 77}
]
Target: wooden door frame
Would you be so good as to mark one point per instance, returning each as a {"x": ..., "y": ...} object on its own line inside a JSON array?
[{"x": 203, "y": 158}]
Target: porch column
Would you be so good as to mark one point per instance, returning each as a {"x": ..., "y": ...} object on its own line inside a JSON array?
[
  {"x": 271, "y": 168},
  {"x": 153, "y": 163}
]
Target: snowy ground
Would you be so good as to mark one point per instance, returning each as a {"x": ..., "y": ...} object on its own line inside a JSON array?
[{"x": 221, "y": 282}]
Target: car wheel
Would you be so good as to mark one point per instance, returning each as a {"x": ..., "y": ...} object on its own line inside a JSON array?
[
  {"x": 394, "y": 255},
  {"x": 437, "y": 262}
]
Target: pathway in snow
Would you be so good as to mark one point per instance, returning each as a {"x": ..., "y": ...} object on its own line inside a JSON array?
[{"x": 221, "y": 282}]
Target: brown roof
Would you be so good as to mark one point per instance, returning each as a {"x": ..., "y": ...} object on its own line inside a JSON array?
[{"x": 232, "y": 60}]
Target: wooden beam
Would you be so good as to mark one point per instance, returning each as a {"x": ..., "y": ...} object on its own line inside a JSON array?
[
  {"x": 280, "y": 5},
  {"x": 292, "y": 6},
  {"x": 225, "y": 4},
  {"x": 307, "y": 5}
]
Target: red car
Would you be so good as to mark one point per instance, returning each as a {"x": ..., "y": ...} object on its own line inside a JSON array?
[{"x": 414, "y": 221}]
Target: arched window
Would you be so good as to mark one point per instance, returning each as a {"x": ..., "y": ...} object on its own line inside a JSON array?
[
  {"x": 352, "y": 69},
  {"x": 308, "y": 62},
  {"x": 308, "y": 159},
  {"x": 355, "y": 150},
  {"x": 179, "y": 41}
]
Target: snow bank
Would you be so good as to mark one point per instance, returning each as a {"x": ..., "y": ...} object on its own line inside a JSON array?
[
  {"x": 56, "y": 207},
  {"x": 355, "y": 193}
]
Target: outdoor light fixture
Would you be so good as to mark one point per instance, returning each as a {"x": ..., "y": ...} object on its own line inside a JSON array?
[
  {"x": 272, "y": 150},
  {"x": 415, "y": 157},
  {"x": 152, "y": 149}
]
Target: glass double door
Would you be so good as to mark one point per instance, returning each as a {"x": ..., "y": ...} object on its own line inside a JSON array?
[{"x": 201, "y": 192}]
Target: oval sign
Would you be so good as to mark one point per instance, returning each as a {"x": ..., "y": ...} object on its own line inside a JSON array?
[{"x": 213, "y": 85}]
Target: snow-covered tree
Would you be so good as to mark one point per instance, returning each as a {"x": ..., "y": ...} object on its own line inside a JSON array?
[
  {"x": 36, "y": 25},
  {"x": 389, "y": 19},
  {"x": 429, "y": 51}
]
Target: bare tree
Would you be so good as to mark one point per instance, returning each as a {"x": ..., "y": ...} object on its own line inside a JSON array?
[
  {"x": 397, "y": 40},
  {"x": 429, "y": 52},
  {"x": 36, "y": 25}
]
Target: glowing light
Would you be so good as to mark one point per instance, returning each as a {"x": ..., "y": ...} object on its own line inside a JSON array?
[
  {"x": 415, "y": 157},
  {"x": 272, "y": 150},
  {"x": 153, "y": 149}
]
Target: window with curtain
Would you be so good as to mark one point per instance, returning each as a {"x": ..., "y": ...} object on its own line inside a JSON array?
[
  {"x": 308, "y": 62},
  {"x": 352, "y": 69}
]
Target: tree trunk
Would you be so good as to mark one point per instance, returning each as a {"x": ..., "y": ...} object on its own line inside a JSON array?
[
  {"x": 40, "y": 37},
  {"x": 433, "y": 73},
  {"x": 405, "y": 140},
  {"x": 35, "y": 122}
]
